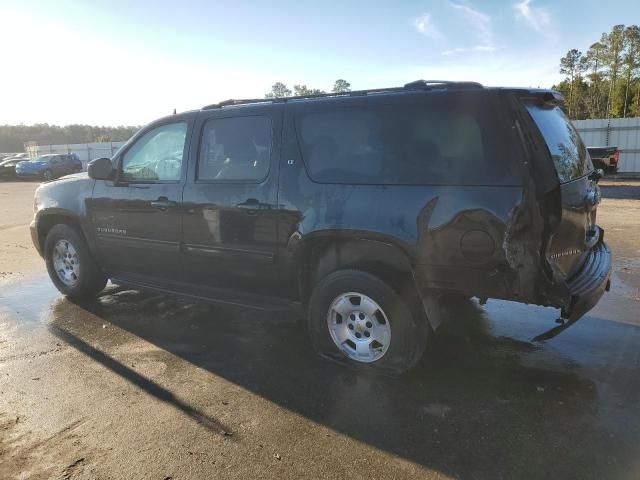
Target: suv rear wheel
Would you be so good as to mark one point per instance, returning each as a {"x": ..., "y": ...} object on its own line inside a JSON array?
[
  {"x": 70, "y": 264},
  {"x": 355, "y": 317}
]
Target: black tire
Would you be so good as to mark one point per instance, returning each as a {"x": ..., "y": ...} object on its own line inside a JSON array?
[
  {"x": 47, "y": 175},
  {"x": 409, "y": 328},
  {"x": 90, "y": 280}
]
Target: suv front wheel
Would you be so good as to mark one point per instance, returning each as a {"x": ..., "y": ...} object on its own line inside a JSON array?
[
  {"x": 70, "y": 265},
  {"x": 357, "y": 318}
]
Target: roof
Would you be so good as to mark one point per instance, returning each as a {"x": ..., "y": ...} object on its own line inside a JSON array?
[{"x": 424, "y": 85}]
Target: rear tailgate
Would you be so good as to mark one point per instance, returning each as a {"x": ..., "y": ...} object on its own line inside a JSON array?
[
  {"x": 575, "y": 251},
  {"x": 577, "y": 232}
]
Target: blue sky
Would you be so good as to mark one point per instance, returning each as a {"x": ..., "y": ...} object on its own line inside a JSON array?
[{"x": 127, "y": 62}]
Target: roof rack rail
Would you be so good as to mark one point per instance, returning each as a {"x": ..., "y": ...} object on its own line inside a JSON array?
[
  {"x": 418, "y": 84},
  {"x": 442, "y": 83}
]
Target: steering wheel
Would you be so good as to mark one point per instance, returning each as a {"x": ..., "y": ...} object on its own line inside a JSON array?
[{"x": 169, "y": 163}]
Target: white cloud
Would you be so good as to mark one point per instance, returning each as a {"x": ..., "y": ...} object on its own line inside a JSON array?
[
  {"x": 537, "y": 69},
  {"x": 475, "y": 48},
  {"x": 424, "y": 25},
  {"x": 480, "y": 22},
  {"x": 536, "y": 17}
]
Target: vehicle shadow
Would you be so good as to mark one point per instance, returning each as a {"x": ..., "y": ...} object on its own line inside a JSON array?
[
  {"x": 149, "y": 386},
  {"x": 475, "y": 407}
]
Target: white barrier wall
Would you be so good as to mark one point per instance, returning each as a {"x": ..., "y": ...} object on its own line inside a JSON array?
[
  {"x": 85, "y": 151},
  {"x": 623, "y": 133}
]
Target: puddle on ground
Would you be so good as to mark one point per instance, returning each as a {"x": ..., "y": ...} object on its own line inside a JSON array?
[{"x": 28, "y": 301}]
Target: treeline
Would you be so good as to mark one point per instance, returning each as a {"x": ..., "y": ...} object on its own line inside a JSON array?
[
  {"x": 280, "y": 90},
  {"x": 13, "y": 137},
  {"x": 604, "y": 81}
]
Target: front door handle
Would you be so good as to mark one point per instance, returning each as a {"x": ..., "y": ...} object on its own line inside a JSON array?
[{"x": 162, "y": 203}]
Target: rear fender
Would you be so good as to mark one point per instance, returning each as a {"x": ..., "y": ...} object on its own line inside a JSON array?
[{"x": 324, "y": 252}]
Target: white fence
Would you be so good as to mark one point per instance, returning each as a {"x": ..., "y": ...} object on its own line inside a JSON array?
[
  {"x": 623, "y": 133},
  {"x": 85, "y": 151}
]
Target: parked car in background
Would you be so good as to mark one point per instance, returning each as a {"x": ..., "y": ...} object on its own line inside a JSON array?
[
  {"x": 48, "y": 167},
  {"x": 605, "y": 158},
  {"x": 10, "y": 156},
  {"x": 364, "y": 209},
  {"x": 8, "y": 167}
]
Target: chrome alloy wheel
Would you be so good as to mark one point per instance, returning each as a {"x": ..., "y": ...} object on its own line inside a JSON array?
[
  {"x": 66, "y": 262},
  {"x": 359, "y": 327}
]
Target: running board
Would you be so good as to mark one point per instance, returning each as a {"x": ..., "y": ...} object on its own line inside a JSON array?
[{"x": 215, "y": 295}]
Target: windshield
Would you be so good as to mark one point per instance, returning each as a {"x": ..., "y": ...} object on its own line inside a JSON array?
[
  {"x": 569, "y": 154},
  {"x": 40, "y": 159}
]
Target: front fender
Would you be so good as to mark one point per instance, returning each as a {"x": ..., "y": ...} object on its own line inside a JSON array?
[{"x": 63, "y": 201}]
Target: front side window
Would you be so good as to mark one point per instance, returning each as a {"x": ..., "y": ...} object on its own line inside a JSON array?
[
  {"x": 565, "y": 146},
  {"x": 235, "y": 149},
  {"x": 441, "y": 139},
  {"x": 157, "y": 155}
]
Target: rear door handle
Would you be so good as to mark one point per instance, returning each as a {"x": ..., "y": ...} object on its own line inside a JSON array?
[
  {"x": 162, "y": 203},
  {"x": 251, "y": 206}
]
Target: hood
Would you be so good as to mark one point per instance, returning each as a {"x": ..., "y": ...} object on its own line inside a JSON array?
[
  {"x": 71, "y": 177},
  {"x": 67, "y": 182}
]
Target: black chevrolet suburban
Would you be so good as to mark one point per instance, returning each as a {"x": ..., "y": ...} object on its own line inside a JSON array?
[{"x": 363, "y": 209}]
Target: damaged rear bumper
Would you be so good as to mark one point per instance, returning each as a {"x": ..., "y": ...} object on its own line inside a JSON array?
[{"x": 586, "y": 287}]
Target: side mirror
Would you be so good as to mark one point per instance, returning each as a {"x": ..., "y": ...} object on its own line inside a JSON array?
[{"x": 101, "y": 169}]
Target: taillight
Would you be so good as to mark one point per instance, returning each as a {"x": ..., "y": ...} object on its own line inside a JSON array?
[{"x": 616, "y": 154}]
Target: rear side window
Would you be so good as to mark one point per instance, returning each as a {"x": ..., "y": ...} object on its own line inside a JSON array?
[
  {"x": 565, "y": 146},
  {"x": 440, "y": 139},
  {"x": 235, "y": 149}
]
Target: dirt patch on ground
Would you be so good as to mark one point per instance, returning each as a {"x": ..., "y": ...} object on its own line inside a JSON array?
[{"x": 18, "y": 257}]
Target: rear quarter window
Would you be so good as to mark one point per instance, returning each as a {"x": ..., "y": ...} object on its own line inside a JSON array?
[{"x": 436, "y": 139}]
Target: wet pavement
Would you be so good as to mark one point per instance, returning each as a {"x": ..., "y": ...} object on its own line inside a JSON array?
[{"x": 137, "y": 385}]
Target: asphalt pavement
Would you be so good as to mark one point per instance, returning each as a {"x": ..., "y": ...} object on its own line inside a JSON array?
[{"x": 138, "y": 385}]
